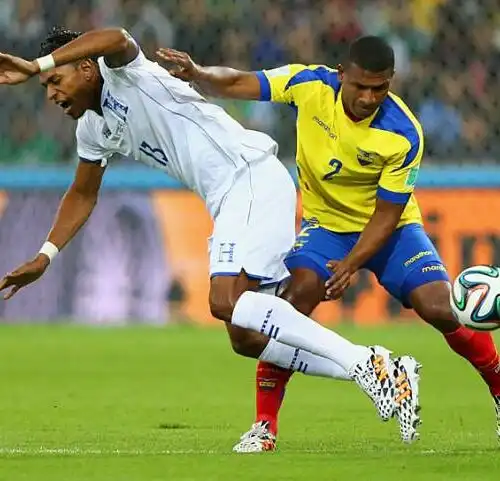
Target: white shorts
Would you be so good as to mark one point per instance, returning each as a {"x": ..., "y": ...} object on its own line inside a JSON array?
[{"x": 255, "y": 227}]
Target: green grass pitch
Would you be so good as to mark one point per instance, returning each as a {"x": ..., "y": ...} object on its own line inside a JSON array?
[{"x": 106, "y": 404}]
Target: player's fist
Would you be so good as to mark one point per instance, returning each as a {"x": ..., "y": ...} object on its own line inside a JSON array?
[
  {"x": 24, "y": 275},
  {"x": 15, "y": 70},
  {"x": 186, "y": 69}
]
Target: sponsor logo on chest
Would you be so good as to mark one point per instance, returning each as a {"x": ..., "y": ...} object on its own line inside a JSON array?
[
  {"x": 115, "y": 106},
  {"x": 325, "y": 127}
]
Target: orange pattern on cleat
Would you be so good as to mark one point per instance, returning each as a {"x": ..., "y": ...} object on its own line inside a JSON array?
[{"x": 258, "y": 439}]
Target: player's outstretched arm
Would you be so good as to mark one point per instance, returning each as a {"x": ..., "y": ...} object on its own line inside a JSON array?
[
  {"x": 74, "y": 210},
  {"x": 114, "y": 44},
  {"x": 15, "y": 70},
  {"x": 77, "y": 204},
  {"x": 216, "y": 81}
]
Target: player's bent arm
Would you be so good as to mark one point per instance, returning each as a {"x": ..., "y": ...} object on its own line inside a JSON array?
[
  {"x": 77, "y": 204},
  {"x": 228, "y": 82},
  {"x": 114, "y": 44},
  {"x": 395, "y": 188},
  {"x": 376, "y": 233}
]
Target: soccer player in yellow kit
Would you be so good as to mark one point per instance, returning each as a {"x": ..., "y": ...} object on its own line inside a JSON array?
[{"x": 359, "y": 149}]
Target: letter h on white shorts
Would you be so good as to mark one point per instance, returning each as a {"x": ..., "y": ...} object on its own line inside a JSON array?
[{"x": 255, "y": 227}]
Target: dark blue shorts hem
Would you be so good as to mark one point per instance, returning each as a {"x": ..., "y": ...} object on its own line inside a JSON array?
[
  {"x": 305, "y": 262},
  {"x": 236, "y": 274}
]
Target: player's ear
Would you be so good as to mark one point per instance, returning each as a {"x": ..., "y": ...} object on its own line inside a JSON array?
[
  {"x": 340, "y": 70},
  {"x": 88, "y": 68}
]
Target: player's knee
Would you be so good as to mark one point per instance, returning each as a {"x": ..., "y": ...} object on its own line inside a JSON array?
[
  {"x": 222, "y": 303},
  {"x": 222, "y": 298},
  {"x": 299, "y": 300},
  {"x": 433, "y": 306},
  {"x": 225, "y": 292},
  {"x": 221, "y": 308},
  {"x": 248, "y": 345},
  {"x": 436, "y": 311},
  {"x": 303, "y": 293}
]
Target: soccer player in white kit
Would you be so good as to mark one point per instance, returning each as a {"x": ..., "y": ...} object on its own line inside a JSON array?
[{"x": 129, "y": 105}]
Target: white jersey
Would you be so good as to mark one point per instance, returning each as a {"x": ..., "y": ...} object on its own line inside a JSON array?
[{"x": 163, "y": 122}]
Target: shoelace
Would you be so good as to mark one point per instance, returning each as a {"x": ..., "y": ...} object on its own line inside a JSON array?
[
  {"x": 402, "y": 387},
  {"x": 258, "y": 430},
  {"x": 380, "y": 368}
]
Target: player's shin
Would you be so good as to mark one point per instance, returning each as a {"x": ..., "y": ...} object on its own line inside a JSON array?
[
  {"x": 295, "y": 359},
  {"x": 479, "y": 349},
  {"x": 271, "y": 382},
  {"x": 277, "y": 363},
  {"x": 278, "y": 319}
]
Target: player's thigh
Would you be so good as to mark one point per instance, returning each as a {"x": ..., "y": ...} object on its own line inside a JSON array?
[
  {"x": 408, "y": 261},
  {"x": 307, "y": 261},
  {"x": 255, "y": 227}
]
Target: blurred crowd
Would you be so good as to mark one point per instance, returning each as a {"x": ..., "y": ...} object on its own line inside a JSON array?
[{"x": 447, "y": 56}]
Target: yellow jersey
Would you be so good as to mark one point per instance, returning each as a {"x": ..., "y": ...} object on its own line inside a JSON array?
[{"x": 343, "y": 165}]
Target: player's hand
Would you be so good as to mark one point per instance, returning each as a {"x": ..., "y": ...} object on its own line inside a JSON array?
[
  {"x": 186, "y": 69},
  {"x": 15, "y": 70},
  {"x": 340, "y": 279},
  {"x": 24, "y": 275}
]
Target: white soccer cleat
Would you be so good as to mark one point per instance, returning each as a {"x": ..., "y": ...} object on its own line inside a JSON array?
[
  {"x": 497, "y": 410},
  {"x": 374, "y": 376},
  {"x": 407, "y": 378},
  {"x": 257, "y": 440}
]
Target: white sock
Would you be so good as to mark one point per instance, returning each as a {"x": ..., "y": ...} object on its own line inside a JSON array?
[
  {"x": 277, "y": 319},
  {"x": 294, "y": 359}
]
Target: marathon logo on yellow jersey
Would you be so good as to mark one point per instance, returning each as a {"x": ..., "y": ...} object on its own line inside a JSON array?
[
  {"x": 434, "y": 268},
  {"x": 416, "y": 257},
  {"x": 325, "y": 127}
]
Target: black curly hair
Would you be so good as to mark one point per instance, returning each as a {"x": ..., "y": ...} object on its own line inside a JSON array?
[
  {"x": 372, "y": 53},
  {"x": 56, "y": 38}
]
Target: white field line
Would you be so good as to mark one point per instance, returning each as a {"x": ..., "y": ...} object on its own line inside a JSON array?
[{"x": 75, "y": 452}]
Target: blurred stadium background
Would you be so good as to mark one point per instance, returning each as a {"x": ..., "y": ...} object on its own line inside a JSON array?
[{"x": 143, "y": 256}]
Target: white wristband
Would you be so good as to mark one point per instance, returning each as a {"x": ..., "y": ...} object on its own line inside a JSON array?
[
  {"x": 46, "y": 63},
  {"x": 50, "y": 250}
]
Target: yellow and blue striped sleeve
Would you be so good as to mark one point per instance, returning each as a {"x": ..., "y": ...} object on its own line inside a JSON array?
[
  {"x": 274, "y": 83},
  {"x": 399, "y": 176},
  {"x": 400, "y": 173}
]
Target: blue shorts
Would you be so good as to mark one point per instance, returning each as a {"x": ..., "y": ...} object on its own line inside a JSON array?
[{"x": 407, "y": 261}]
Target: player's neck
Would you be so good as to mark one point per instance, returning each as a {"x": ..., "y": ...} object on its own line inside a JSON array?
[
  {"x": 350, "y": 114},
  {"x": 98, "y": 103}
]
